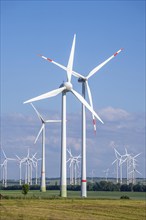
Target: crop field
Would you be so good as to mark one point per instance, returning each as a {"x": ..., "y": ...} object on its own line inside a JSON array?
[{"x": 48, "y": 206}]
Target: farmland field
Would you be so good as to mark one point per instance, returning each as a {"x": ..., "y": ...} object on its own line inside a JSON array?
[
  {"x": 48, "y": 206},
  {"x": 76, "y": 194}
]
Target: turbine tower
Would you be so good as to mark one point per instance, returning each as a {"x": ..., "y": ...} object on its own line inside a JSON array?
[
  {"x": 3, "y": 172},
  {"x": 42, "y": 130},
  {"x": 84, "y": 80},
  {"x": 64, "y": 88}
]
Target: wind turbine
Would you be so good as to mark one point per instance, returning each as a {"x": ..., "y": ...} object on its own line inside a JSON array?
[
  {"x": 4, "y": 166},
  {"x": 28, "y": 167},
  {"x": 64, "y": 88},
  {"x": 84, "y": 81},
  {"x": 117, "y": 164},
  {"x": 92, "y": 173},
  {"x": 70, "y": 166},
  {"x": 20, "y": 169},
  {"x": 120, "y": 159},
  {"x": 74, "y": 160},
  {"x": 35, "y": 163},
  {"x": 133, "y": 165},
  {"x": 106, "y": 173},
  {"x": 42, "y": 130}
]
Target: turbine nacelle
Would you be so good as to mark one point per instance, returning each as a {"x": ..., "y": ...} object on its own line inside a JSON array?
[{"x": 82, "y": 79}]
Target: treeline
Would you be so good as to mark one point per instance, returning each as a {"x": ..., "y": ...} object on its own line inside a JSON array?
[
  {"x": 97, "y": 186},
  {"x": 110, "y": 186}
]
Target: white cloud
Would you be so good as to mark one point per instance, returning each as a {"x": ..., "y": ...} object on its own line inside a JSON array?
[{"x": 113, "y": 114}]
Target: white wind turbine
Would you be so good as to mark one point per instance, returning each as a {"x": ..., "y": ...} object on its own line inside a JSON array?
[
  {"x": 120, "y": 159},
  {"x": 4, "y": 167},
  {"x": 20, "y": 168},
  {"x": 42, "y": 130},
  {"x": 117, "y": 169},
  {"x": 70, "y": 168},
  {"x": 84, "y": 81},
  {"x": 106, "y": 173},
  {"x": 117, "y": 165},
  {"x": 92, "y": 173},
  {"x": 27, "y": 168},
  {"x": 133, "y": 165},
  {"x": 73, "y": 166},
  {"x": 128, "y": 160},
  {"x": 64, "y": 88},
  {"x": 128, "y": 163},
  {"x": 35, "y": 163},
  {"x": 28, "y": 161}
]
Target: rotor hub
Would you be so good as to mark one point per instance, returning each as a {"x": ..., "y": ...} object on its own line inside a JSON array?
[{"x": 68, "y": 85}]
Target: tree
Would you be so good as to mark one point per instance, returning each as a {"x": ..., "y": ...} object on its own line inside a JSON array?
[
  {"x": 25, "y": 189},
  {"x": 138, "y": 188},
  {"x": 126, "y": 187}
]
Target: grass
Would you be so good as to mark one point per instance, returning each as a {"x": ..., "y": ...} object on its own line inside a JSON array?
[
  {"x": 73, "y": 209},
  {"x": 98, "y": 205},
  {"x": 74, "y": 194}
]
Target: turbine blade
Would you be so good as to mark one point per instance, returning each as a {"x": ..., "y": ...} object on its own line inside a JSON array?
[
  {"x": 91, "y": 104},
  {"x": 83, "y": 101},
  {"x": 69, "y": 151},
  {"x": 92, "y": 72},
  {"x": 131, "y": 171},
  {"x": 138, "y": 172},
  {"x": 122, "y": 161},
  {"x": 68, "y": 160},
  {"x": 71, "y": 59},
  {"x": 53, "y": 121},
  {"x": 126, "y": 151},
  {"x": 38, "y": 114},
  {"x": 70, "y": 163},
  {"x": 34, "y": 155},
  {"x": 136, "y": 155},
  {"x": 4, "y": 153},
  {"x": 114, "y": 161},
  {"x": 57, "y": 64},
  {"x": 78, "y": 75},
  {"x": 42, "y": 127},
  {"x": 28, "y": 153},
  {"x": 18, "y": 157},
  {"x": 117, "y": 153},
  {"x": 46, "y": 95}
]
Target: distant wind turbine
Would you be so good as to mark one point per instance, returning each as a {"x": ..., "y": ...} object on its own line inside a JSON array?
[
  {"x": 4, "y": 167},
  {"x": 42, "y": 130}
]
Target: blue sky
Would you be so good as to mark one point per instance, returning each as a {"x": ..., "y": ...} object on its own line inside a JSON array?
[{"x": 29, "y": 28}]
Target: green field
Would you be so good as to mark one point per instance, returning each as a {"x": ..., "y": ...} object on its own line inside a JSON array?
[
  {"x": 48, "y": 206},
  {"x": 75, "y": 194}
]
